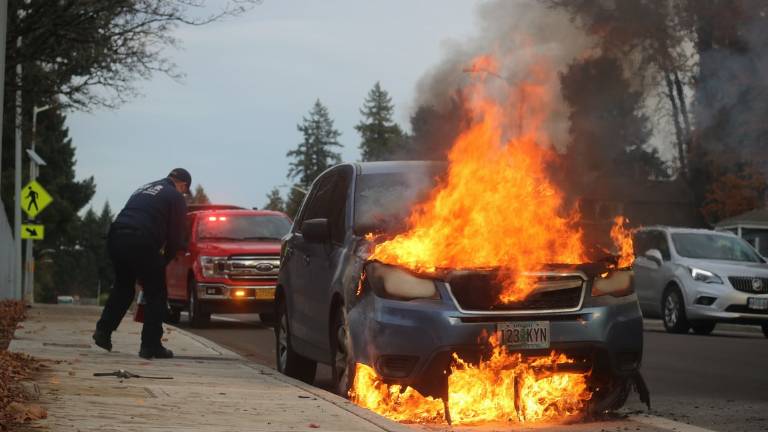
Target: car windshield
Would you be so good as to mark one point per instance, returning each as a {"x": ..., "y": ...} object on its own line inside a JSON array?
[
  {"x": 713, "y": 246},
  {"x": 241, "y": 227},
  {"x": 384, "y": 201}
]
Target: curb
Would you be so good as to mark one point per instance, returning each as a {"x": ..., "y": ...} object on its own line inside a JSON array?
[{"x": 369, "y": 416}]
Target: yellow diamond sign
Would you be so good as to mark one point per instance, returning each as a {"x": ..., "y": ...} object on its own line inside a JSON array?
[
  {"x": 32, "y": 232},
  {"x": 34, "y": 198}
]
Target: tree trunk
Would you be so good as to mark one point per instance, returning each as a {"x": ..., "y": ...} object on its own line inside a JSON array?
[
  {"x": 683, "y": 111},
  {"x": 678, "y": 128}
]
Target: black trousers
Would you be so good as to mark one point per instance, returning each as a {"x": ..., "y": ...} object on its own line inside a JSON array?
[{"x": 135, "y": 258}]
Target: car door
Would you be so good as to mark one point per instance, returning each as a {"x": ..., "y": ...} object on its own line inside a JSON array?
[
  {"x": 297, "y": 272},
  {"x": 659, "y": 278},
  {"x": 643, "y": 267},
  {"x": 177, "y": 269}
]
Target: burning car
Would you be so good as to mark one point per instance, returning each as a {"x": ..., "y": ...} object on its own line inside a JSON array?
[{"x": 391, "y": 326}]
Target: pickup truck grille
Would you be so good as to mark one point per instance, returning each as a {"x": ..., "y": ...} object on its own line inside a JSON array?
[
  {"x": 750, "y": 284},
  {"x": 253, "y": 267},
  {"x": 480, "y": 291}
]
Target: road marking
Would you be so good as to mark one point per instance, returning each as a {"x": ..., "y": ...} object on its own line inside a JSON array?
[
  {"x": 221, "y": 318},
  {"x": 662, "y": 423}
]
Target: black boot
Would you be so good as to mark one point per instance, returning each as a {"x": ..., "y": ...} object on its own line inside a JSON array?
[
  {"x": 103, "y": 339},
  {"x": 159, "y": 352}
]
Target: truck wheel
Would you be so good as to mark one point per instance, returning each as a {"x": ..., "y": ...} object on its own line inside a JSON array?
[
  {"x": 765, "y": 329},
  {"x": 703, "y": 327},
  {"x": 342, "y": 360},
  {"x": 673, "y": 311},
  {"x": 288, "y": 361},
  {"x": 198, "y": 317},
  {"x": 174, "y": 315},
  {"x": 267, "y": 318}
]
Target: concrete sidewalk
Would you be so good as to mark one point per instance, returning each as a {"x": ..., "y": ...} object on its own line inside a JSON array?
[{"x": 212, "y": 389}]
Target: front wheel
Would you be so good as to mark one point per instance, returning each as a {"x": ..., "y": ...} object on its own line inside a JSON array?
[
  {"x": 342, "y": 362},
  {"x": 198, "y": 317},
  {"x": 174, "y": 315},
  {"x": 267, "y": 318},
  {"x": 703, "y": 327},
  {"x": 765, "y": 329},
  {"x": 288, "y": 361},
  {"x": 673, "y": 311},
  {"x": 611, "y": 397}
]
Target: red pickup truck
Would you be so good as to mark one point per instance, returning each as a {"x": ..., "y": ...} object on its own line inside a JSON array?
[{"x": 230, "y": 266}]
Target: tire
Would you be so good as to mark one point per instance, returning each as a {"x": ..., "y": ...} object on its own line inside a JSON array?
[
  {"x": 342, "y": 359},
  {"x": 765, "y": 329},
  {"x": 703, "y": 327},
  {"x": 267, "y": 318},
  {"x": 611, "y": 399},
  {"x": 198, "y": 317},
  {"x": 174, "y": 315},
  {"x": 673, "y": 311},
  {"x": 288, "y": 361}
]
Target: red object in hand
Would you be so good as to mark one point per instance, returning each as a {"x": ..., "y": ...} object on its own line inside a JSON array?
[{"x": 138, "y": 314}]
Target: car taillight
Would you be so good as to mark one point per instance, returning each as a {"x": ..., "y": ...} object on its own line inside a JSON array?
[{"x": 616, "y": 284}]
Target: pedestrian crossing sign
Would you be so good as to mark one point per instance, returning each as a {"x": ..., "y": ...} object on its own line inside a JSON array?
[
  {"x": 32, "y": 231},
  {"x": 34, "y": 198}
]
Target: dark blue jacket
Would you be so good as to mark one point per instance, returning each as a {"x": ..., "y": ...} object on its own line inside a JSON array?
[{"x": 157, "y": 211}]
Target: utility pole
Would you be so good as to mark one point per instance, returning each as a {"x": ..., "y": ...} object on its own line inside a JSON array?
[{"x": 17, "y": 178}]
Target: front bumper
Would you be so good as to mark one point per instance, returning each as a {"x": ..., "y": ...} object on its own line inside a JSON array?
[
  {"x": 222, "y": 298},
  {"x": 406, "y": 342},
  {"x": 730, "y": 305}
]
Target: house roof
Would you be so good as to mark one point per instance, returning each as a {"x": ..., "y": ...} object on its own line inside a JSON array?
[{"x": 753, "y": 217}]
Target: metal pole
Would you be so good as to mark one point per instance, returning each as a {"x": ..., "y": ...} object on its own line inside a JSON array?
[
  {"x": 29, "y": 279},
  {"x": 17, "y": 179},
  {"x": 3, "y": 30}
]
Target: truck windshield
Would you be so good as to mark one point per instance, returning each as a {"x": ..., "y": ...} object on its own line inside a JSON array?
[
  {"x": 713, "y": 246},
  {"x": 241, "y": 227},
  {"x": 384, "y": 201}
]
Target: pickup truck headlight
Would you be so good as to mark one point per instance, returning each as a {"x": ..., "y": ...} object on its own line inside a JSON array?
[
  {"x": 705, "y": 276},
  {"x": 212, "y": 266},
  {"x": 616, "y": 284},
  {"x": 395, "y": 283}
]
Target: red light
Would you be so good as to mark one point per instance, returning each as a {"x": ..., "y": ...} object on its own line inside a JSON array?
[
  {"x": 212, "y": 218},
  {"x": 222, "y": 218}
]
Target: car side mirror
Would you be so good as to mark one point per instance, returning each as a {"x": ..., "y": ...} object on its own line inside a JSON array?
[
  {"x": 315, "y": 230},
  {"x": 655, "y": 256}
]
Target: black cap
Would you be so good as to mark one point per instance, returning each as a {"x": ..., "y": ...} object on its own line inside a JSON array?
[{"x": 181, "y": 175}]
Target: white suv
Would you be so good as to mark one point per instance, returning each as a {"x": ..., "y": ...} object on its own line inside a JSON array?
[{"x": 695, "y": 278}]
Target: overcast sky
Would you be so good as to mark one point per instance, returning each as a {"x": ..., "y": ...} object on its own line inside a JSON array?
[{"x": 249, "y": 81}]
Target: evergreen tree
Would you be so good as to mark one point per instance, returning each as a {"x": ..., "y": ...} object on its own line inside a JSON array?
[
  {"x": 199, "y": 196},
  {"x": 106, "y": 272},
  {"x": 275, "y": 201},
  {"x": 295, "y": 198},
  {"x": 316, "y": 152},
  {"x": 381, "y": 136}
]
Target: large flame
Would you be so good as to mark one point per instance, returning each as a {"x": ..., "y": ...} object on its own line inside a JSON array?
[
  {"x": 622, "y": 238},
  {"x": 504, "y": 388},
  {"x": 497, "y": 206}
]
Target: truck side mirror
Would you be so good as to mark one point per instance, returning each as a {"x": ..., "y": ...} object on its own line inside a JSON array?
[
  {"x": 655, "y": 256},
  {"x": 315, "y": 230}
]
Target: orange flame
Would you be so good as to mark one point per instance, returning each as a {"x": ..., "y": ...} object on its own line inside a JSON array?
[
  {"x": 622, "y": 238},
  {"x": 504, "y": 388},
  {"x": 497, "y": 206}
]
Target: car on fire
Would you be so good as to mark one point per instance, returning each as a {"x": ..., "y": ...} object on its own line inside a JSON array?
[
  {"x": 230, "y": 265},
  {"x": 335, "y": 306},
  {"x": 695, "y": 278}
]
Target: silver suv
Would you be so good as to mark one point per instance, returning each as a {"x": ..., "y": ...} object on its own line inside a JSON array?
[{"x": 694, "y": 278}]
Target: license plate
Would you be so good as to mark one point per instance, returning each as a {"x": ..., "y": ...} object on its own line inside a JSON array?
[
  {"x": 264, "y": 293},
  {"x": 757, "y": 303},
  {"x": 524, "y": 334}
]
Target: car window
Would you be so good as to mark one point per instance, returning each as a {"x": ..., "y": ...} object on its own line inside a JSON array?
[
  {"x": 337, "y": 211},
  {"x": 652, "y": 240},
  {"x": 713, "y": 246},
  {"x": 242, "y": 227},
  {"x": 640, "y": 243}
]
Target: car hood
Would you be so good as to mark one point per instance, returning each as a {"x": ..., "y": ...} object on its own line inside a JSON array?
[
  {"x": 239, "y": 247},
  {"x": 729, "y": 268}
]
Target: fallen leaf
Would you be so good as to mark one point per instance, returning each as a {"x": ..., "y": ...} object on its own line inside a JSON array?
[{"x": 314, "y": 426}]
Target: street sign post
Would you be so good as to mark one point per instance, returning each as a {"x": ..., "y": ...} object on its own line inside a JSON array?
[
  {"x": 32, "y": 231},
  {"x": 34, "y": 199}
]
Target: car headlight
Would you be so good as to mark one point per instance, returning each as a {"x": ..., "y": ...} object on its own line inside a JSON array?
[
  {"x": 705, "y": 276},
  {"x": 395, "y": 283},
  {"x": 212, "y": 266},
  {"x": 616, "y": 284}
]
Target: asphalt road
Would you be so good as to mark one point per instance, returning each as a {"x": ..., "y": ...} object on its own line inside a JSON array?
[{"x": 698, "y": 383}]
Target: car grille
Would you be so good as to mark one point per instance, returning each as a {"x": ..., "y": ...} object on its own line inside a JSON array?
[
  {"x": 253, "y": 267},
  {"x": 480, "y": 292},
  {"x": 750, "y": 284}
]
